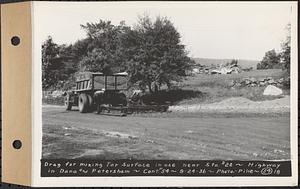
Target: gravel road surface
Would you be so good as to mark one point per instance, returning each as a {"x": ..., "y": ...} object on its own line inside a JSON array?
[{"x": 70, "y": 134}]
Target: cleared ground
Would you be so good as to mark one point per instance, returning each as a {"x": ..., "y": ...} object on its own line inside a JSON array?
[{"x": 70, "y": 134}]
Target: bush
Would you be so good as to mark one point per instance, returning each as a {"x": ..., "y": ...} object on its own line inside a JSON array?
[
  {"x": 171, "y": 96},
  {"x": 53, "y": 100}
]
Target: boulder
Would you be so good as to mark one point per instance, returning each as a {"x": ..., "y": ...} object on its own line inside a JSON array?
[{"x": 272, "y": 91}]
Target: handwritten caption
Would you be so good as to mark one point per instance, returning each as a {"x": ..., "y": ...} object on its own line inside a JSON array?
[{"x": 72, "y": 168}]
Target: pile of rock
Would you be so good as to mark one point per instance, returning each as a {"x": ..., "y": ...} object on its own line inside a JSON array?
[
  {"x": 203, "y": 69},
  {"x": 227, "y": 69},
  {"x": 220, "y": 69},
  {"x": 253, "y": 82}
]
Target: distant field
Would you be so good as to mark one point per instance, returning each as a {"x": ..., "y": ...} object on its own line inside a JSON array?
[
  {"x": 220, "y": 79},
  {"x": 241, "y": 62}
]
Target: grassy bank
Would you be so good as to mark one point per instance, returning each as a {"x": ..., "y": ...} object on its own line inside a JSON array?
[{"x": 218, "y": 87}]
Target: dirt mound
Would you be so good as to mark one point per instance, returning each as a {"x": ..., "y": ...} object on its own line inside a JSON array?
[{"x": 238, "y": 104}]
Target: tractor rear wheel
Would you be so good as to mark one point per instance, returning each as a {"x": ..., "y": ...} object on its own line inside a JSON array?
[
  {"x": 83, "y": 103},
  {"x": 91, "y": 103},
  {"x": 68, "y": 104}
]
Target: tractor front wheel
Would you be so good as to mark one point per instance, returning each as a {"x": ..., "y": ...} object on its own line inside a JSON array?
[
  {"x": 99, "y": 109},
  {"x": 123, "y": 99},
  {"x": 83, "y": 103}
]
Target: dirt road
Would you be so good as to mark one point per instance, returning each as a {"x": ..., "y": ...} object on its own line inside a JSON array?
[{"x": 70, "y": 134}]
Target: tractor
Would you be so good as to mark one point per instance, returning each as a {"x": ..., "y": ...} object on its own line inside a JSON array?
[
  {"x": 106, "y": 94},
  {"x": 97, "y": 91}
]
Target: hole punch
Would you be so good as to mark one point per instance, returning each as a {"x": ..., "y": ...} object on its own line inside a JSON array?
[
  {"x": 15, "y": 40},
  {"x": 17, "y": 144}
]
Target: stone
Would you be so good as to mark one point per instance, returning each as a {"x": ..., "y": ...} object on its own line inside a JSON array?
[
  {"x": 252, "y": 79},
  {"x": 247, "y": 82},
  {"x": 271, "y": 81},
  {"x": 238, "y": 84},
  {"x": 280, "y": 80},
  {"x": 271, "y": 90},
  {"x": 231, "y": 83},
  {"x": 262, "y": 83}
]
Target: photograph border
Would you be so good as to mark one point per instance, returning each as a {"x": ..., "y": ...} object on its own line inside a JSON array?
[{"x": 148, "y": 181}]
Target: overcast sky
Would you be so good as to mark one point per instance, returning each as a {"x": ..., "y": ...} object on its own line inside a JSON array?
[{"x": 209, "y": 30}]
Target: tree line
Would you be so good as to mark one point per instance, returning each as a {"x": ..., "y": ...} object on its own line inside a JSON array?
[
  {"x": 273, "y": 60},
  {"x": 150, "y": 51}
]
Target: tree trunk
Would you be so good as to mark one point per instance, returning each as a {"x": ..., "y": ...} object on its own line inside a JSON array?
[
  {"x": 169, "y": 85},
  {"x": 155, "y": 87},
  {"x": 149, "y": 87}
]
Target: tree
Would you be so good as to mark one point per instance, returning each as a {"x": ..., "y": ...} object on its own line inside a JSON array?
[
  {"x": 258, "y": 66},
  {"x": 102, "y": 53},
  {"x": 59, "y": 63},
  {"x": 154, "y": 54},
  {"x": 68, "y": 60},
  {"x": 80, "y": 49},
  {"x": 233, "y": 62},
  {"x": 151, "y": 53},
  {"x": 98, "y": 60},
  {"x": 286, "y": 50},
  {"x": 271, "y": 60},
  {"x": 50, "y": 65}
]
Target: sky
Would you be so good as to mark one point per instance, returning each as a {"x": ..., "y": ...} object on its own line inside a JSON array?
[{"x": 239, "y": 30}]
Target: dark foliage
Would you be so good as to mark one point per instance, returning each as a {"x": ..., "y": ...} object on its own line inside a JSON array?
[
  {"x": 170, "y": 96},
  {"x": 151, "y": 52},
  {"x": 154, "y": 54},
  {"x": 271, "y": 60},
  {"x": 51, "y": 66},
  {"x": 286, "y": 50}
]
